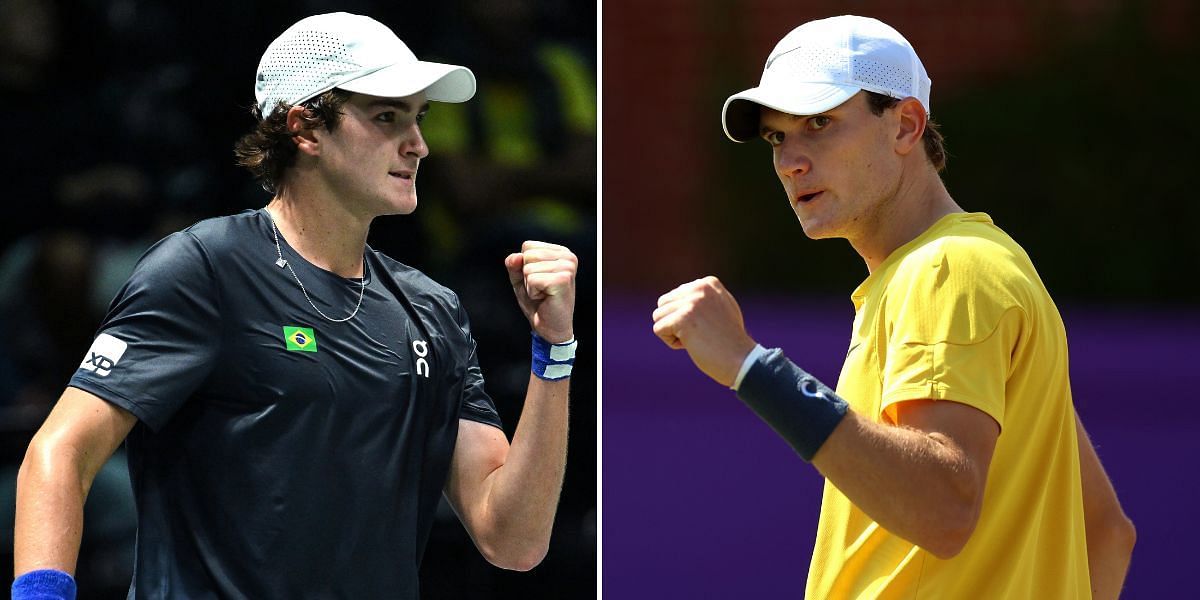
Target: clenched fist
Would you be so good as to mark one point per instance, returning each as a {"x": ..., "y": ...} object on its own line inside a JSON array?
[
  {"x": 703, "y": 318},
  {"x": 543, "y": 279}
]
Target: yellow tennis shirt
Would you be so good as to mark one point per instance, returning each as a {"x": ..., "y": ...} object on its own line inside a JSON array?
[{"x": 960, "y": 314}]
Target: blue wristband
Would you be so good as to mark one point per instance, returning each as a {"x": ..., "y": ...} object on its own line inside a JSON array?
[
  {"x": 44, "y": 584},
  {"x": 802, "y": 410},
  {"x": 553, "y": 361}
]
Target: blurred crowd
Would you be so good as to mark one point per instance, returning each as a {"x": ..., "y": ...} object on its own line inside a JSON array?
[{"x": 121, "y": 119}]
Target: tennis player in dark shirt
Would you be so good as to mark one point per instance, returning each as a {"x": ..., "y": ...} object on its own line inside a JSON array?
[{"x": 294, "y": 402}]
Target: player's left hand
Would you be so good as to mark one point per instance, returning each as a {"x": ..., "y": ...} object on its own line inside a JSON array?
[
  {"x": 543, "y": 279},
  {"x": 703, "y": 318}
]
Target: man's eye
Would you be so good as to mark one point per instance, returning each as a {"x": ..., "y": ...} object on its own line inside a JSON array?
[
  {"x": 773, "y": 138},
  {"x": 421, "y": 116},
  {"x": 386, "y": 117},
  {"x": 818, "y": 122}
]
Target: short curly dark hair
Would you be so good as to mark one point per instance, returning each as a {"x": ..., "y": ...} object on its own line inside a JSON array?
[
  {"x": 935, "y": 144},
  {"x": 268, "y": 151}
]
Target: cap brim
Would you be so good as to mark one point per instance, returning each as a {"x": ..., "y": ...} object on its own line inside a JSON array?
[
  {"x": 440, "y": 82},
  {"x": 740, "y": 115}
]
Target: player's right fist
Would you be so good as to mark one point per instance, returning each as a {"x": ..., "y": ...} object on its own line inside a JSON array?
[
  {"x": 543, "y": 278},
  {"x": 703, "y": 318}
]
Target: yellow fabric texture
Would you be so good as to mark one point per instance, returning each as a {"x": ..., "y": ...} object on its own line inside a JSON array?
[{"x": 960, "y": 314}]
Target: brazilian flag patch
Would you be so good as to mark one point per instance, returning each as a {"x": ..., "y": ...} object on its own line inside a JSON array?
[{"x": 299, "y": 339}]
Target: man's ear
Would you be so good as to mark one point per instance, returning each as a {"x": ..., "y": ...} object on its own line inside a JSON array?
[
  {"x": 912, "y": 119},
  {"x": 303, "y": 136}
]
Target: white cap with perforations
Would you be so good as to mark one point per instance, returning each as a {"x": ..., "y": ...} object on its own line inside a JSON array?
[
  {"x": 353, "y": 53},
  {"x": 821, "y": 64}
]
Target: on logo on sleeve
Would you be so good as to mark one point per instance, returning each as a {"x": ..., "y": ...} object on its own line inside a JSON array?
[
  {"x": 422, "y": 350},
  {"x": 106, "y": 350}
]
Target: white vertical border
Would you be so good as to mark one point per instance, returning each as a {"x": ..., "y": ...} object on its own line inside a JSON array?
[{"x": 599, "y": 297}]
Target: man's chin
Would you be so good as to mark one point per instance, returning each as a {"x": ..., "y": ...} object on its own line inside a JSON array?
[
  {"x": 814, "y": 229},
  {"x": 821, "y": 231},
  {"x": 403, "y": 206}
]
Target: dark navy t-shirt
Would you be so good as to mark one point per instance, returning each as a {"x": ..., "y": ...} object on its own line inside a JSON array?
[{"x": 277, "y": 454}]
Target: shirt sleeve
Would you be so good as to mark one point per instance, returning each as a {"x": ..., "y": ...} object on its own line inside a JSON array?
[
  {"x": 160, "y": 338},
  {"x": 951, "y": 327},
  {"x": 476, "y": 404}
]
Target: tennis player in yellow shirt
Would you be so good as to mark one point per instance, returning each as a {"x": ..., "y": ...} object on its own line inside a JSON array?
[{"x": 954, "y": 463}]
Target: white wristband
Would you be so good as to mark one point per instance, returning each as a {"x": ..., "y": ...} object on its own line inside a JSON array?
[{"x": 746, "y": 364}]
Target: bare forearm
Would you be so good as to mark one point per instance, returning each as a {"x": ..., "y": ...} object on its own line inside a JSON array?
[
  {"x": 524, "y": 491},
  {"x": 62, "y": 461},
  {"x": 1108, "y": 560},
  {"x": 49, "y": 518},
  {"x": 1110, "y": 534},
  {"x": 908, "y": 481}
]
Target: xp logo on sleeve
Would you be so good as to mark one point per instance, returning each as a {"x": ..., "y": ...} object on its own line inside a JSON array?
[
  {"x": 103, "y": 355},
  {"x": 299, "y": 339}
]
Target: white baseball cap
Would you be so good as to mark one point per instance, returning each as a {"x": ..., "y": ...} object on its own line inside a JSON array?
[
  {"x": 354, "y": 53},
  {"x": 821, "y": 64}
]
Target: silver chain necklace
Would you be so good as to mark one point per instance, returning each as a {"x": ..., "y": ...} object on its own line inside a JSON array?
[{"x": 281, "y": 263}]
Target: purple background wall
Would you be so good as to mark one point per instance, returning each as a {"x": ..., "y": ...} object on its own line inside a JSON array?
[{"x": 702, "y": 500}]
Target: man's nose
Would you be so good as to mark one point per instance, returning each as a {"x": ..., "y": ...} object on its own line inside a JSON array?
[
  {"x": 414, "y": 143},
  {"x": 792, "y": 160}
]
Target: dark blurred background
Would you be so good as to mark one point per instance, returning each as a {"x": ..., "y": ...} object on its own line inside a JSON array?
[
  {"x": 121, "y": 117},
  {"x": 1068, "y": 121}
]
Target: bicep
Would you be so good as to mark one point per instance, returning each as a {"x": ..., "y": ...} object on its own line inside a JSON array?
[
  {"x": 960, "y": 427},
  {"x": 480, "y": 449},
  {"x": 83, "y": 427}
]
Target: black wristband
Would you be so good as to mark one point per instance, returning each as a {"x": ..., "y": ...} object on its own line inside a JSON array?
[{"x": 801, "y": 409}]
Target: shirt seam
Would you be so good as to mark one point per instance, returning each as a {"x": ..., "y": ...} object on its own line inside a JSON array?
[
  {"x": 920, "y": 573},
  {"x": 216, "y": 285},
  {"x": 991, "y": 332}
]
